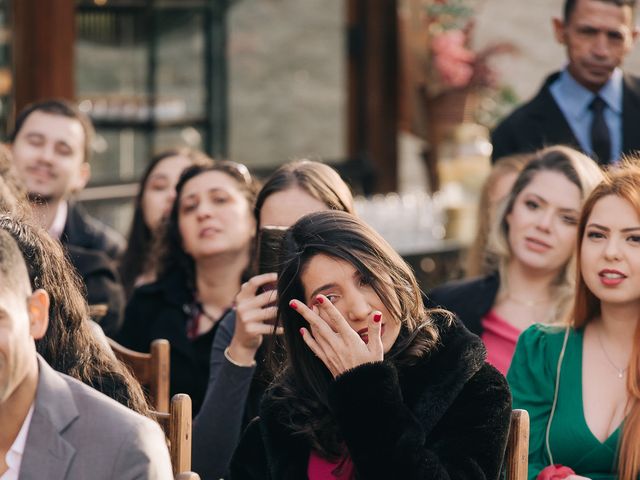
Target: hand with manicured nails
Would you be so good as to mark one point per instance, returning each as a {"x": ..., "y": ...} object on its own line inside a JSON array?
[
  {"x": 334, "y": 341},
  {"x": 255, "y": 317}
]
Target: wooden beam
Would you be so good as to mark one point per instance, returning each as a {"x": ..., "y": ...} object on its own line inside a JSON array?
[
  {"x": 43, "y": 49},
  {"x": 373, "y": 88}
]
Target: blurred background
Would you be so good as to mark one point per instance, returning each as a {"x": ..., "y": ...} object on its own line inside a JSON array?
[{"x": 398, "y": 95}]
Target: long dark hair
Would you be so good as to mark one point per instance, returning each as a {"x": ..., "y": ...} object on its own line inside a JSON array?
[
  {"x": 168, "y": 249},
  {"x": 140, "y": 241},
  {"x": 304, "y": 380},
  {"x": 69, "y": 344}
]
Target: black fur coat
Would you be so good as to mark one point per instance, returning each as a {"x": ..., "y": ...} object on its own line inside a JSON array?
[{"x": 446, "y": 417}]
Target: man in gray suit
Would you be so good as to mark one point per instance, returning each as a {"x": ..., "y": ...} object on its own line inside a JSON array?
[{"x": 52, "y": 426}]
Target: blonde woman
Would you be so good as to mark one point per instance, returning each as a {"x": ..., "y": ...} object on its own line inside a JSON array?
[{"x": 534, "y": 240}]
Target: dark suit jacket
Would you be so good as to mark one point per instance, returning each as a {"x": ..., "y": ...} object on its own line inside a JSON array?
[
  {"x": 103, "y": 285},
  {"x": 87, "y": 232},
  {"x": 540, "y": 123},
  {"x": 77, "y": 433},
  {"x": 470, "y": 299},
  {"x": 93, "y": 248}
]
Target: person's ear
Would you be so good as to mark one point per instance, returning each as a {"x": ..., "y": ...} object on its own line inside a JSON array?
[
  {"x": 38, "y": 306},
  {"x": 84, "y": 174},
  {"x": 559, "y": 30}
]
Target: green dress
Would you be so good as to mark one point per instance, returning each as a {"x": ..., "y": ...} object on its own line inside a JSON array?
[{"x": 532, "y": 380}]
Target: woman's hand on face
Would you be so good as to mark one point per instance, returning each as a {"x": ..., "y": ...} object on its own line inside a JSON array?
[
  {"x": 334, "y": 341},
  {"x": 255, "y": 316}
]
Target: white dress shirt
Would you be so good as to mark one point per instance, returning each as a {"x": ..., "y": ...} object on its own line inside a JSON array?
[{"x": 14, "y": 455}]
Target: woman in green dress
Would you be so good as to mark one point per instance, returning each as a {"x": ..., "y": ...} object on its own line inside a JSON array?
[{"x": 581, "y": 383}]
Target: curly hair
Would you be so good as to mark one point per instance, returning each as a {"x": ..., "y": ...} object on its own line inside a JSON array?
[{"x": 69, "y": 344}]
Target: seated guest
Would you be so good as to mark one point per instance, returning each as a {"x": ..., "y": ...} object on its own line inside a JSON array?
[
  {"x": 51, "y": 148},
  {"x": 495, "y": 189},
  {"x": 206, "y": 250},
  {"x": 151, "y": 208},
  {"x": 239, "y": 374},
  {"x": 53, "y": 426},
  {"x": 69, "y": 344},
  {"x": 534, "y": 240},
  {"x": 581, "y": 382},
  {"x": 374, "y": 386}
]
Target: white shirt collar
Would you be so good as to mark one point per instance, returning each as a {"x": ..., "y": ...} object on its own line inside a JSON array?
[
  {"x": 59, "y": 221},
  {"x": 15, "y": 453}
]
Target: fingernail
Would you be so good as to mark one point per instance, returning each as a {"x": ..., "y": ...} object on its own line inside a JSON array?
[
  {"x": 320, "y": 299},
  {"x": 293, "y": 304},
  {"x": 302, "y": 331},
  {"x": 377, "y": 317}
]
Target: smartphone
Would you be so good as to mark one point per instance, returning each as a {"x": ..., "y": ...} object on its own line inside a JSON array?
[{"x": 269, "y": 243}]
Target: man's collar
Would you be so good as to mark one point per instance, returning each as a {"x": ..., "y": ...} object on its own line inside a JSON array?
[
  {"x": 577, "y": 98},
  {"x": 21, "y": 438},
  {"x": 60, "y": 220}
]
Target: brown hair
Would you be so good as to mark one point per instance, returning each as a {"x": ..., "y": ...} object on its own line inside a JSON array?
[
  {"x": 479, "y": 259},
  {"x": 625, "y": 184}
]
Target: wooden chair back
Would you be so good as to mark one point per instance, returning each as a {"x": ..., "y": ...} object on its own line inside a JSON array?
[
  {"x": 150, "y": 369},
  {"x": 177, "y": 427},
  {"x": 517, "y": 453},
  {"x": 187, "y": 476}
]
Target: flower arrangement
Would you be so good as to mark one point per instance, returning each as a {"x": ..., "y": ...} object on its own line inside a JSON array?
[{"x": 453, "y": 63}]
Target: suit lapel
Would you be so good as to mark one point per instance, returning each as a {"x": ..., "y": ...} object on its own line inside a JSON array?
[
  {"x": 630, "y": 114},
  {"x": 47, "y": 454}
]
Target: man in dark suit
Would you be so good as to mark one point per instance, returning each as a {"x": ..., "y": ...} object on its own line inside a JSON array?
[
  {"x": 51, "y": 147},
  {"x": 53, "y": 426},
  {"x": 591, "y": 105}
]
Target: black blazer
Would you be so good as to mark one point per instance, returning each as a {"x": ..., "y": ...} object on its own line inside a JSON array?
[
  {"x": 82, "y": 230},
  {"x": 102, "y": 283},
  {"x": 470, "y": 299},
  {"x": 445, "y": 417},
  {"x": 161, "y": 310},
  {"x": 540, "y": 123}
]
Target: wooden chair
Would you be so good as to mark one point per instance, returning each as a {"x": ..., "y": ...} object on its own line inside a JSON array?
[
  {"x": 187, "y": 476},
  {"x": 150, "y": 369},
  {"x": 517, "y": 454},
  {"x": 177, "y": 427}
]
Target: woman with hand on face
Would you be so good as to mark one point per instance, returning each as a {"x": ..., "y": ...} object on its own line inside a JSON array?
[
  {"x": 373, "y": 386},
  {"x": 581, "y": 383},
  {"x": 151, "y": 208},
  {"x": 534, "y": 240},
  {"x": 238, "y": 374},
  {"x": 204, "y": 253}
]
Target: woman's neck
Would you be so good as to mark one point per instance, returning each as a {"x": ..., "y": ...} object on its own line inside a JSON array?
[
  {"x": 528, "y": 284},
  {"x": 218, "y": 280},
  {"x": 618, "y": 323}
]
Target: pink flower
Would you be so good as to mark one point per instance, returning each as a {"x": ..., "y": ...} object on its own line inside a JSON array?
[{"x": 453, "y": 61}]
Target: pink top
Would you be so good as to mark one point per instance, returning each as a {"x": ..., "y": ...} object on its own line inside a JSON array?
[
  {"x": 321, "y": 469},
  {"x": 500, "y": 338}
]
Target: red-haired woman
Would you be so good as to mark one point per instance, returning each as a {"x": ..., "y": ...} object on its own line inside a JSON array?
[{"x": 581, "y": 383}]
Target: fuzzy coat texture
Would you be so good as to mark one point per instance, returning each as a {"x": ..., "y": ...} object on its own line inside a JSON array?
[{"x": 445, "y": 417}]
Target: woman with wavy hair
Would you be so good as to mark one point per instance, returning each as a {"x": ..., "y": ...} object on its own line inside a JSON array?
[
  {"x": 151, "y": 208},
  {"x": 374, "y": 386},
  {"x": 581, "y": 383},
  {"x": 70, "y": 345},
  {"x": 533, "y": 240},
  {"x": 202, "y": 257}
]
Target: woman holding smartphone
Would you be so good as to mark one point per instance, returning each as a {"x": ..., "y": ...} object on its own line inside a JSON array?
[
  {"x": 238, "y": 373},
  {"x": 581, "y": 382},
  {"x": 373, "y": 386}
]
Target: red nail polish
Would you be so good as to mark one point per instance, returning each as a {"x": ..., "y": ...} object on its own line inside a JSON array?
[
  {"x": 302, "y": 332},
  {"x": 320, "y": 299},
  {"x": 293, "y": 305},
  {"x": 377, "y": 317}
]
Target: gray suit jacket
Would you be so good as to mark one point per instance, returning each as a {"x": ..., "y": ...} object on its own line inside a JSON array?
[{"x": 77, "y": 433}]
